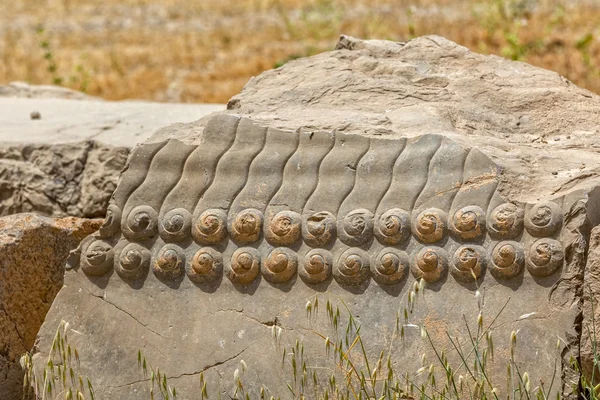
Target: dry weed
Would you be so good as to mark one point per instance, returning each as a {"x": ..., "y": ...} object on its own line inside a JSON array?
[{"x": 205, "y": 50}]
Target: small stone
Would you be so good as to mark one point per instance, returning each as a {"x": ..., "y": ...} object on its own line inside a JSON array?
[{"x": 35, "y": 115}]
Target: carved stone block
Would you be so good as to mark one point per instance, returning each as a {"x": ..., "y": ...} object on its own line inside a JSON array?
[{"x": 218, "y": 234}]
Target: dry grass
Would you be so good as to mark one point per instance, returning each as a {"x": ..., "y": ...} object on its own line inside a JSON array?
[{"x": 205, "y": 50}]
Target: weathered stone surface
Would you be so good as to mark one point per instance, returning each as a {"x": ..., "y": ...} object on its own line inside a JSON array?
[
  {"x": 74, "y": 179},
  {"x": 350, "y": 193},
  {"x": 115, "y": 123},
  {"x": 534, "y": 123},
  {"x": 34, "y": 250},
  {"x": 68, "y": 161}
]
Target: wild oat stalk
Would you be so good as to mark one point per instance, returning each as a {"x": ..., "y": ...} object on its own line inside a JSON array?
[{"x": 61, "y": 377}]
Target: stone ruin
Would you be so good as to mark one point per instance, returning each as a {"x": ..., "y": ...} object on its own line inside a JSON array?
[{"x": 402, "y": 162}]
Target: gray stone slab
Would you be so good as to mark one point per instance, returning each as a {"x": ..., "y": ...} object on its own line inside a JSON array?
[
  {"x": 196, "y": 282},
  {"x": 67, "y": 162},
  {"x": 124, "y": 123}
]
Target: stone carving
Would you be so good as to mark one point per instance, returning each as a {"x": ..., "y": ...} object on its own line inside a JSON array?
[
  {"x": 317, "y": 266},
  {"x": 246, "y": 226},
  {"x": 356, "y": 227},
  {"x": 175, "y": 225},
  {"x": 283, "y": 229},
  {"x": 545, "y": 256},
  {"x": 468, "y": 223},
  {"x": 506, "y": 221},
  {"x": 133, "y": 261},
  {"x": 544, "y": 219},
  {"x": 319, "y": 229},
  {"x": 430, "y": 263},
  {"x": 468, "y": 263},
  {"x": 210, "y": 227},
  {"x": 169, "y": 263},
  {"x": 245, "y": 265},
  {"x": 112, "y": 222},
  {"x": 97, "y": 257},
  {"x": 280, "y": 265},
  {"x": 206, "y": 266},
  {"x": 445, "y": 139},
  {"x": 141, "y": 223},
  {"x": 507, "y": 260},
  {"x": 393, "y": 227},
  {"x": 352, "y": 267},
  {"x": 390, "y": 266},
  {"x": 430, "y": 225},
  {"x": 361, "y": 194}
]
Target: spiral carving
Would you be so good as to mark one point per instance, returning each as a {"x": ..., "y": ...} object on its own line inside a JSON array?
[
  {"x": 97, "y": 258},
  {"x": 545, "y": 257},
  {"x": 317, "y": 266},
  {"x": 175, "y": 225},
  {"x": 245, "y": 265},
  {"x": 141, "y": 223},
  {"x": 430, "y": 264},
  {"x": 319, "y": 229},
  {"x": 390, "y": 266},
  {"x": 280, "y": 265},
  {"x": 170, "y": 263},
  {"x": 356, "y": 227},
  {"x": 468, "y": 263},
  {"x": 352, "y": 268},
  {"x": 133, "y": 262},
  {"x": 393, "y": 227},
  {"x": 210, "y": 227},
  {"x": 283, "y": 229},
  {"x": 246, "y": 226},
  {"x": 507, "y": 260},
  {"x": 430, "y": 225},
  {"x": 544, "y": 219},
  {"x": 505, "y": 221},
  {"x": 206, "y": 266},
  {"x": 468, "y": 223},
  {"x": 112, "y": 222}
]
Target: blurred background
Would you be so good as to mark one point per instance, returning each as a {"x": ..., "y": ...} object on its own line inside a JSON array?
[{"x": 206, "y": 50}]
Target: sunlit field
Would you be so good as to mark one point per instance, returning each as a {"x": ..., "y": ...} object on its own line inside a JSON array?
[{"x": 206, "y": 50}]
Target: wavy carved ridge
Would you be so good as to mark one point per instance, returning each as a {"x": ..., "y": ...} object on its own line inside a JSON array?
[{"x": 252, "y": 201}]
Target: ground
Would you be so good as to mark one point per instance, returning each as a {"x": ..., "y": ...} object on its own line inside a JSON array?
[{"x": 206, "y": 50}]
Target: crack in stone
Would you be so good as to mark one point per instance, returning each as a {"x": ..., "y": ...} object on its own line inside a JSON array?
[
  {"x": 216, "y": 364},
  {"x": 204, "y": 369},
  {"x": 129, "y": 314},
  {"x": 275, "y": 321}
]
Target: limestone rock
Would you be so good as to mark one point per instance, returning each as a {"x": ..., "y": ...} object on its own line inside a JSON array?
[
  {"x": 68, "y": 161},
  {"x": 535, "y": 124},
  {"x": 347, "y": 176},
  {"x": 74, "y": 179},
  {"x": 34, "y": 250}
]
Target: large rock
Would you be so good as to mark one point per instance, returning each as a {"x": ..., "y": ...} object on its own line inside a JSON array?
[
  {"x": 74, "y": 179},
  {"x": 349, "y": 176},
  {"x": 68, "y": 161},
  {"x": 34, "y": 250}
]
